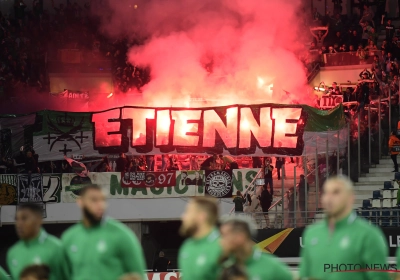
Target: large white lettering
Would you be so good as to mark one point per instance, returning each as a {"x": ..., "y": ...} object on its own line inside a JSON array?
[
  {"x": 185, "y": 127},
  {"x": 249, "y": 125},
  {"x": 138, "y": 117},
  {"x": 213, "y": 124}
]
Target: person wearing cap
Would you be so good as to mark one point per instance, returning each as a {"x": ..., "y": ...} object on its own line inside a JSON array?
[
  {"x": 342, "y": 241},
  {"x": 394, "y": 149}
]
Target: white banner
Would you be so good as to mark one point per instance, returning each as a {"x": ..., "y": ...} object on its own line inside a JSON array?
[{"x": 111, "y": 183}]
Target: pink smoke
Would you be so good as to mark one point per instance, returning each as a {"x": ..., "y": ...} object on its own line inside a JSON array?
[{"x": 222, "y": 51}]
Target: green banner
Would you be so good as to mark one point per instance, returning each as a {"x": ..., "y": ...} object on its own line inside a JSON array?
[{"x": 242, "y": 178}]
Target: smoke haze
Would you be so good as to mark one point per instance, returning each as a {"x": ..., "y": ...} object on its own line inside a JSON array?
[{"x": 222, "y": 51}]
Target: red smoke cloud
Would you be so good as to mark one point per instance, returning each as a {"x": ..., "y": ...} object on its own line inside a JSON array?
[{"x": 223, "y": 51}]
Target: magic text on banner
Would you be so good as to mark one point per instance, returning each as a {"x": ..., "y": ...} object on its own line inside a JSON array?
[{"x": 148, "y": 179}]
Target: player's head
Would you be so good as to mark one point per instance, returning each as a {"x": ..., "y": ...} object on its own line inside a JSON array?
[
  {"x": 28, "y": 220},
  {"x": 200, "y": 212},
  {"x": 183, "y": 174},
  {"x": 236, "y": 233},
  {"x": 161, "y": 254},
  {"x": 93, "y": 203},
  {"x": 233, "y": 272},
  {"x": 197, "y": 175},
  {"x": 35, "y": 272},
  {"x": 337, "y": 196}
]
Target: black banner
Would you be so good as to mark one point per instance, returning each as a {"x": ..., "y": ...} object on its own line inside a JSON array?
[
  {"x": 30, "y": 188},
  {"x": 219, "y": 183},
  {"x": 286, "y": 243}
]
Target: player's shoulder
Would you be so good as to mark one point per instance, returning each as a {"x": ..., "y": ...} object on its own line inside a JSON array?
[
  {"x": 14, "y": 248},
  {"x": 71, "y": 232},
  {"x": 367, "y": 229},
  {"x": 52, "y": 240},
  {"x": 314, "y": 229},
  {"x": 118, "y": 228}
]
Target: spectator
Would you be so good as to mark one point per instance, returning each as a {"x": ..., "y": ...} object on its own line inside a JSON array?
[
  {"x": 161, "y": 263},
  {"x": 30, "y": 163},
  {"x": 394, "y": 149},
  {"x": 280, "y": 164},
  {"x": 268, "y": 168},
  {"x": 121, "y": 163},
  {"x": 389, "y": 31},
  {"x": 209, "y": 163},
  {"x": 302, "y": 196},
  {"x": 238, "y": 201},
  {"x": 265, "y": 202},
  {"x": 194, "y": 165},
  {"x": 150, "y": 162},
  {"x": 228, "y": 162}
]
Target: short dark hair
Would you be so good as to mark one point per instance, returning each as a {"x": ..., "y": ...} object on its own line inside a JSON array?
[
  {"x": 40, "y": 272},
  {"x": 233, "y": 271},
  {"x": 240, "y": 224},
  {"x": 35, "y": 208},
  {"x": 87, "y": 188},
  {"x": 208, "y": 205}
]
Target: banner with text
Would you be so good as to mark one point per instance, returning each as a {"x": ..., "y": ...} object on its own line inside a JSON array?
[
  {"x": 252, "y": 130},
  {"x": 30, "y": 188},
  {"x": 219, "y": 183},
  {"x": 163, "y": 275},
  {"x": 330, "y": 101},
  {"x": 148, "y": 179},
  {"x": 242, "y": 178},
  {"x": 111, "y": 183}
]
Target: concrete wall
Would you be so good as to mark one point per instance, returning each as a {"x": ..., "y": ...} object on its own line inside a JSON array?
[{"x": 121, "y": 209}]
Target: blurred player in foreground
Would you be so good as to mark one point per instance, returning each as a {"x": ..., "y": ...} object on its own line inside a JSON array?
[
  {"x": 35, "y": 272},
  {"x": 234, "y": 272},
  {"x": 3, "y": 274},
  {"x": 36, "y": 246},
  {"x": 238, "y": 247},
  {"x": 198, "y": 256},
  {"x": 342, "y": 241},
  {"x": 99, "y": 247}
]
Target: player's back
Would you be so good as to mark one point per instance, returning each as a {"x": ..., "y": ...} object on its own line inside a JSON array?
[
  {"x": 106, "y": 251},
  {"x": 198, "y": 258}
]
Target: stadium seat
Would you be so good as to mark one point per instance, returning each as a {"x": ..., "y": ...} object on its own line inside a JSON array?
[
  {"x": 376, "y": 203},
  {"x": 387, "y": 203},
  {"x": 394, "y": 193},
  {"x": 385, "y": 218},
  {"x": 366, "y": 203},
  {"x": 376, "y": 194},
  {"x": 397, "y": 176},
  {"x": 394, "y": 202},
  {"x": 387, "y": 193},
  {"x": 387, "y": 185}
]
